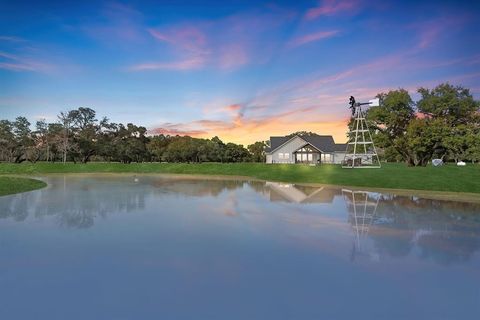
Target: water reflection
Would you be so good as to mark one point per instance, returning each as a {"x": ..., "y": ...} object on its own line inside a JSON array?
[
  {"x": 133, "y": 247},
  {"x": 381, "y": 224},
  {"x": 362, "y": 208}
]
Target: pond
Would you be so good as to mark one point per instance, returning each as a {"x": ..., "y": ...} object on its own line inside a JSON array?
[{"x": 160, "y": 247}]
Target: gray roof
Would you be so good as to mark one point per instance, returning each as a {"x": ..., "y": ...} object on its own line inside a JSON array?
[
  {"x": 323, "y": 143},
  {"x": 276, "y": 142}
]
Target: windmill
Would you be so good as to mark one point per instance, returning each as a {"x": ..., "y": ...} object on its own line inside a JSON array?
[{"x": 361, "y": 152}]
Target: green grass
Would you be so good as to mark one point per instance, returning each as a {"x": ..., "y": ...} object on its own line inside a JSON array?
[
  {"x": 11, "y": 185},
  {"x": 396, "y": 176}
]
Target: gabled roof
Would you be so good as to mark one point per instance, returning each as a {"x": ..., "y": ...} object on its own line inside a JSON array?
[
  {"x": 276, "y": 142},
  {"x": 323, "y": 143}
]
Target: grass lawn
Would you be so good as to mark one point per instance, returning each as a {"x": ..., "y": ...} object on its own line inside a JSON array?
[
  {"x": 11, "y": 185},
  {"x": 395, "y": 176}
]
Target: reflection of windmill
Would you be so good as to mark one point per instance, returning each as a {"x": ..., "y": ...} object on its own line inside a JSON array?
[{"x": 362, "y": 210}]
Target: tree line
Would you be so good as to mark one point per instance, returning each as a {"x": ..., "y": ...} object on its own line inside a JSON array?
[
  {"x": 79, "y": 136},
  {"x": 444, "y": 123}
]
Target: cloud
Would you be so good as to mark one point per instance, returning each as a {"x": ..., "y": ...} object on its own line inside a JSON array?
[
  {"x": 186, "y": 37},
  {"x": 312, "y": 37},
  {"x": 12, "y": 39},
  {"x": 226, "y": 43},
  {"x": 331, "y": 7},
  {"x": 14, "y": 62},
  {"x": 119, "y": 25},
  {"x": 188, "y": 44},
  {"x": 188, "y": 64},
  {"x": 429, "y": 32}
]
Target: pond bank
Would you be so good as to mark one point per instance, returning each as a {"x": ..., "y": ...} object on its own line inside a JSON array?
[
  {"x": 447, "y": 181},
  {"x": 12, "y": 185}
]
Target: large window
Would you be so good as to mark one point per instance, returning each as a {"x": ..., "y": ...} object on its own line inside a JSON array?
[
  {"x": 327, "y": 157},
  {"x": 305, "y": 154}
]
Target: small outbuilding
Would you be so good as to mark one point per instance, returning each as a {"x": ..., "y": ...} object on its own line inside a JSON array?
[{"x": 307, "y": 149}]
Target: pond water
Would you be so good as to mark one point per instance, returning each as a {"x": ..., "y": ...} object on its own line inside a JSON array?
[{"x": 157, "y": 247}]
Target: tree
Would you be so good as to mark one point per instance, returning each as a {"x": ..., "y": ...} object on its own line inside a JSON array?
[
  {"x": 41, "y": 134},
  {"x": 454, "y": 104},
  {"x": 66, "y": 120},
  {"x": 423, "y": 136},
  {"x": 457, "y": 142},
  {"x": 157, "y": 146},
  {"x": 473, "y": 143},
  {"x": 85, "y": 131},
  {"x": 7, "y": 140},
  {"x": 22, "y": 138},
  {"x": 301, "y": 134},
  {"x": 389, "y": 121},
  {"x": 235, "y": 153},
  {"x": 257, "y": 151}
]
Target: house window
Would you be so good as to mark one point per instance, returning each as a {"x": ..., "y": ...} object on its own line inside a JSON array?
[
  {"x": 310, "y": 157},
  {"x": 326, "y": 157},
  {"x": 286, "y": 156},
  {"x": 280, "y": 156}
]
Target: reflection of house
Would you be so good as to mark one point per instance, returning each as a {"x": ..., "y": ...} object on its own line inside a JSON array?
[
  {"x": 300, "y": 194},
  {"x": 311, "y": 149}
]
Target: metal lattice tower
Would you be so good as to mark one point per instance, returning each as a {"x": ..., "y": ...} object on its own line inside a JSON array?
[{"x": 361, "y": 152}]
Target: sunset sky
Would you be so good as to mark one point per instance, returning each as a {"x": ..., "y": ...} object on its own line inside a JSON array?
[{"x": 242, "y": 70}]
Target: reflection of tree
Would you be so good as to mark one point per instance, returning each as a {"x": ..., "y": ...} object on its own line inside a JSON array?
[
  {"x": 15, "y": 207},
  {"x": 77, "y": 201},
  {"x": 445, "y": 231},
  {"x": 195, "y": 187}
]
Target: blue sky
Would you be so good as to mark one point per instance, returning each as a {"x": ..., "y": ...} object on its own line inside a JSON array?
[{"x": 242, "y": 70}]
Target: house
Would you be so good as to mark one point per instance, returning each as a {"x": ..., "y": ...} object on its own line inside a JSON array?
[{"x": 309, "y": 149}]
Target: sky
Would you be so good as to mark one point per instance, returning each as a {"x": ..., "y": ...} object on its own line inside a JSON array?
[{"x": 240, "y": 70}]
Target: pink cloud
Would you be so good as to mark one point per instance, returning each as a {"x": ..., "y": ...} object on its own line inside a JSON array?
[
  {"x": 431, "y": 31},
  {"x": 232, "y": 56},
  {"x": 233, "y": 107},
  {"x": 299, "y": 41},
  {"x": 331, "y": 7},
  {"x": 188, "y": 38},
  {"x": 188, "y": 64},
  {"x": 226, "y": 43}
]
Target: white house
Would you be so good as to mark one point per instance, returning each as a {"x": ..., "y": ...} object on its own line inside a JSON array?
[{"x": 309, "y": 149}]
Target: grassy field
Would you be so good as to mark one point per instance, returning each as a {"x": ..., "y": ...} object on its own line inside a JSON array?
[
  {"x": 11, "y": 185},
  {"x": 395, "y": 176}
]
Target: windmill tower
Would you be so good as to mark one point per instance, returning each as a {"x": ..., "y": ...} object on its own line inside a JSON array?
[{"x": 361, "y": 152}]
